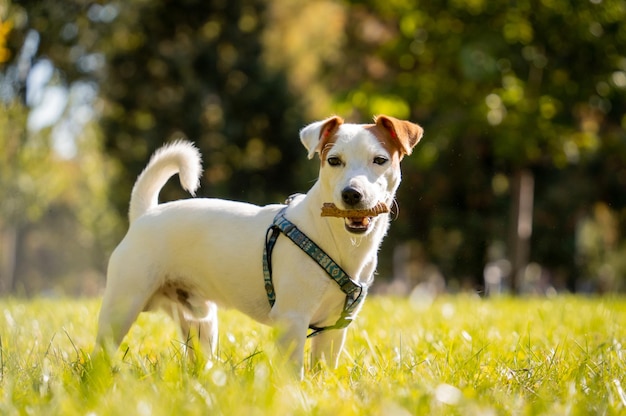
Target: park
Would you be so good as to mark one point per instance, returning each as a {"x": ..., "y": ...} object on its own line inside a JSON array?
[{"x": 500, "y": 283}]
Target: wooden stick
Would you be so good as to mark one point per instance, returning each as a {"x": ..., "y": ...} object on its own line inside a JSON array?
[{"x": 330, "y": 210}]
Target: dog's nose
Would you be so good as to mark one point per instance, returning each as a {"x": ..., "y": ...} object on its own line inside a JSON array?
[{"x": 351, "y": 196}]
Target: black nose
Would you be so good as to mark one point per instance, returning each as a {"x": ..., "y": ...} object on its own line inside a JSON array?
[{"x": 351, "y": 196}]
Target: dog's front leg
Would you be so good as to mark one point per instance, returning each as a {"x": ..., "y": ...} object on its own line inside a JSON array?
[
  {"x": 326, "y": 347},
  {"x": 291, "y": 341}
]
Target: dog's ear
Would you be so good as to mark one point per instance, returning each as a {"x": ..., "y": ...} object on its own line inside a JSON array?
[
  {"x": 316, "y": 135},
  {"x": 404, "y": 133}
]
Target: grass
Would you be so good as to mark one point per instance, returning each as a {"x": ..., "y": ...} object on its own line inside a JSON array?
[{"x": 457, "y": 355}]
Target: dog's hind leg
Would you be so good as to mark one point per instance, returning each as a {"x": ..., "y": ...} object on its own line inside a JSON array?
[
  {"x": 119, "y": 310},
  {"x": 128, "y": 292},
  {"x": 199, "y": 331}
]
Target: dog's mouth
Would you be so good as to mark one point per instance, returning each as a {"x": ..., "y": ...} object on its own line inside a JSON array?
[
  {"x": 357, "y": 221},
  {"x": 358, "y": 225}
]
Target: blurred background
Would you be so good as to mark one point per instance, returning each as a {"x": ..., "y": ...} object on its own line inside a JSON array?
[{"x": 518, "y": 186}]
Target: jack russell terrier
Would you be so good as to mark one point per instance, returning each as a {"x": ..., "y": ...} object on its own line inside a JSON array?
[{"x": 304, "y": 266}]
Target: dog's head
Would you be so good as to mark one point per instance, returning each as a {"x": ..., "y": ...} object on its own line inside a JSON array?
[{"x": 360, "y": 163}]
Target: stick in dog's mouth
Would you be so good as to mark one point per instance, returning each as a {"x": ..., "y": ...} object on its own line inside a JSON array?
[{"x": 330, "y": 210}]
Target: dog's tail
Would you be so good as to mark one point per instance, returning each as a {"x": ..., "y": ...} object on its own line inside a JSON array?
[{"x": 180, "y": 157}]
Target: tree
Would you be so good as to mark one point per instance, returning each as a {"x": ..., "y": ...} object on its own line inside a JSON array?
[
  {"x": 503, "y": 95},
  {"x": 195, "y": 69},
  {"x": 513, "y": 110},
  {"x": 160, "y": 70},
  {"x": 55, "y": 220}
]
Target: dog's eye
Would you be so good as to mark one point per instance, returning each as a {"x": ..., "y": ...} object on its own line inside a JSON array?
[
  {"x": 334, "y": 161},
  {"x": 380, "y": 160}
]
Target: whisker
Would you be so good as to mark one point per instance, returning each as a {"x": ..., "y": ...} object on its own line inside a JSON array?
[{"x": 395, "y": 209}]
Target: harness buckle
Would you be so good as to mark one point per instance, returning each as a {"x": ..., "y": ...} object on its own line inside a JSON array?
[
  {"x": 349, "y": 287},
  {"x": 343, "y": 321}
]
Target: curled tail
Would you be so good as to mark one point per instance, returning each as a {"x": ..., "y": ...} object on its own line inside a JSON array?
[{"x": 180, "y": 157}]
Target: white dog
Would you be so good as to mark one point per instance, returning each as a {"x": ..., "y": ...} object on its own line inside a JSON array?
[{"x": 188, "y": 256}]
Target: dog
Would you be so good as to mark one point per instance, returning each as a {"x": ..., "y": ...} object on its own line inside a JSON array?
[{"x": 190, "y": 256}]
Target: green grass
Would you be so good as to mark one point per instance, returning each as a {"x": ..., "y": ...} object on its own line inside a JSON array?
[{"x": 457, "y": 355}]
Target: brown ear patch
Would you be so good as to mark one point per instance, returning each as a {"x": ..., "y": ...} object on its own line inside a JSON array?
[
  {"x": 404, "y": 134},
  {"x": 327, "y": 136},
  {"x": 330, "y": 126}
]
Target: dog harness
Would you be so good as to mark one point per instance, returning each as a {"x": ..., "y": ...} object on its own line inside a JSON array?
[{"x": 355, "y": 292}]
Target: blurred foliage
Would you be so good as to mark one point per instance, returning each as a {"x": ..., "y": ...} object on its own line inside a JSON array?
[
  {"x": 55, "y": 218},
  {"x": 305, "y": 40},
  {"x": 498, "y": 86},
  {"x": 57, "y": 224},
  {"x": 195, "y": 69},
  {"x": 5, "y": 29}
]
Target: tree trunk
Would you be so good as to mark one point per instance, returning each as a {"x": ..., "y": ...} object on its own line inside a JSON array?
[
  {"x": 521, "y": 226},
  {"x": 8, "y": 259}
]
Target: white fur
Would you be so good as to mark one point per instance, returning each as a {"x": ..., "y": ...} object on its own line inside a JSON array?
[
  {"x": 188, "y": 256},
  {"x": 179, "y": 157}
]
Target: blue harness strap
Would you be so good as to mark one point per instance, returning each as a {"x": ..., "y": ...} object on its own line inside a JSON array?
[{"x": 355, "y": 292}]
